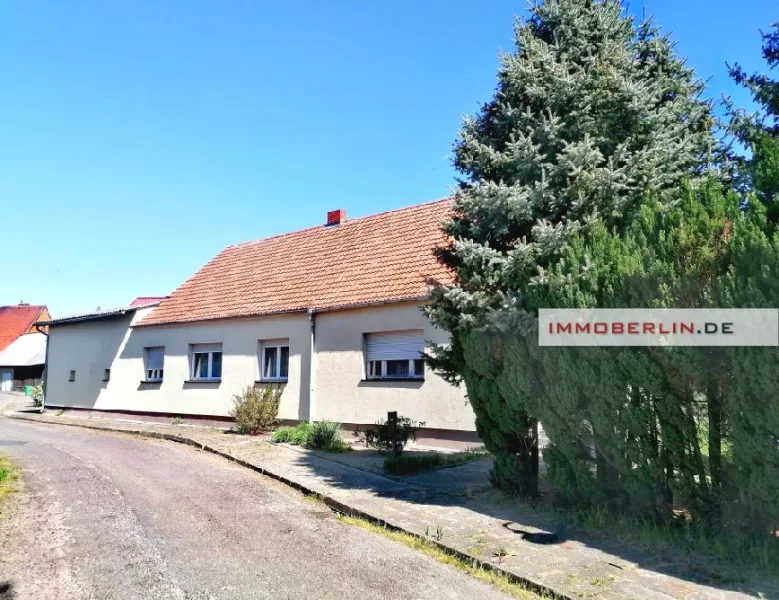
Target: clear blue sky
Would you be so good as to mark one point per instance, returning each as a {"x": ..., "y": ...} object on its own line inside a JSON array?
[{"x": 138, "y": 138}]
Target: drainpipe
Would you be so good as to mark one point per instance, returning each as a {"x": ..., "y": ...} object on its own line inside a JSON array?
[
  {"x": 311, "y": 386},
  {"x": 45, "y": 383}
]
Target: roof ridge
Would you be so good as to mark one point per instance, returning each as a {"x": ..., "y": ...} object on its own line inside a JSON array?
[
  {"x": 41, "y": 306},
  {"x": 312, "y": 228}
]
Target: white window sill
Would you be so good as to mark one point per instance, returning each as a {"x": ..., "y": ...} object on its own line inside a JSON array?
[{"x": 389, "y": 379}]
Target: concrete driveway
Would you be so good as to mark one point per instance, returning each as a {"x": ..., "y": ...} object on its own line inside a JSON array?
[{"x": 108, "y": 516}]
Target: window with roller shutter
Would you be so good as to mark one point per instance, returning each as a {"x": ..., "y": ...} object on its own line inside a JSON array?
[{"x": 395, "y": 355}]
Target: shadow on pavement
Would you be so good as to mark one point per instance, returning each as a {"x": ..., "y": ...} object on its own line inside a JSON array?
[{"x": 534, "y": 527}]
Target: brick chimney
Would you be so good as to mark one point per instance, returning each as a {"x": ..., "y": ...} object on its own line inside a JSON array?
[{"x": 336, "y": 217}]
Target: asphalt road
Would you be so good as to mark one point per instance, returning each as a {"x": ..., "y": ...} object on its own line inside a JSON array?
[{"x": 103, "y": 515}]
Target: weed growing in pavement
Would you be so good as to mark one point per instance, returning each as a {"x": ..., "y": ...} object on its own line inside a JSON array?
[{"x": 474, "y": 568}]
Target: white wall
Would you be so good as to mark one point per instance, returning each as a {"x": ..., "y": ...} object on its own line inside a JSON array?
[
  {"x": 341, "y": 393},
  {"x": 89, "y": 347}
]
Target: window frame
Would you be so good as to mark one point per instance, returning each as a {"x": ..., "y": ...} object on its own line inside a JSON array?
[
  {"x": 369, "y": 365},
  {"x": 147, "y": 370},
  {"x": 412, "y": 371},
  {"x": 275, "y": 345},
  {"x": 193, "y": 352}
]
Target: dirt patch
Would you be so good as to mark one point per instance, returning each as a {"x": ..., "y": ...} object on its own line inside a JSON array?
[{"x": 32, "y": 542}]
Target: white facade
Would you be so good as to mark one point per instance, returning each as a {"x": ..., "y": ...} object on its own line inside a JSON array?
[{"x": 101, "y": 365}]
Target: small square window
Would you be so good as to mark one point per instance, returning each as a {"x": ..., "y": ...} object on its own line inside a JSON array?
[
  {"x": 274, "y": 360},
  {"x": 72, "y": 376},
  {"x": 206, "y": 361},
  {"x": 106, "y": 374}
]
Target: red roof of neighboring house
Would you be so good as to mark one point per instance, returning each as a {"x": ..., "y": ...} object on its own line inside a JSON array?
[
  {"x": 144, "y": 300},
  {"x": 18, "y": 320},
  {"x": 381, "y": 258}
]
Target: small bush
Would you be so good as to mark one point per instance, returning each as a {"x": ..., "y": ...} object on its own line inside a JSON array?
[
  {"x": 380, "y": 437},
  {"x": 256, "y": 410},
  {"x": 37, "y": 395},
  {"x": 326, "y": 435},
  {"x": 282, "y": 435},
  {"x": 300, "y": 434},
  {"x": 297, "y": 436}
]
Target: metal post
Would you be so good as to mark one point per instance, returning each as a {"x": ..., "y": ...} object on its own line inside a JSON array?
[{"x": 392, "y": 419}]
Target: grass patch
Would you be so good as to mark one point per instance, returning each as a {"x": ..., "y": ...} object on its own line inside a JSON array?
[
  {"x": 487, "y": 575},
  {"x": 724, "y": 554},
  {"x": 321, "y": 435},
  {"x": 297, "y": 436},
  {"x": 418, "y": 462},
  {"x": 8, "y": 477}
]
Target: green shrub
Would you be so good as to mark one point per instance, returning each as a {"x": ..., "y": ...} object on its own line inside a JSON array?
[
  {"x": 256, "y": 410},
  {"x": 37, "y": 395},
  {"x": 297, "y": 436},
  {"x": 300, "y": 434},
  {"x": 326, "y": 435},
  {"x": 322, "y": 435},
  {"x": 380, "y": 437},
  {"x": 282, "y": 435}
]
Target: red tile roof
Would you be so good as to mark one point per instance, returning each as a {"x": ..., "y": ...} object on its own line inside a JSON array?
[
  {"x": 381, "y": 258},
  {"x": 144, "y": 300},
  {"x": 18, "y": 320}
]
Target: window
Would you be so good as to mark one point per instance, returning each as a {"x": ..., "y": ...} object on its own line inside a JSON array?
[
  {"x": 106, "y": 374},
  {"x": 274, "y": 360},
  {"x": 395, "y": 355},
  {"x": 154, "y": 362},
  {"x": 207, "y": 361},
  {"x": 72, "y": 376}
]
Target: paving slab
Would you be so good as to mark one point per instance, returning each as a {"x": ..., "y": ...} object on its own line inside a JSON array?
[{"x": 504, "y": 535}]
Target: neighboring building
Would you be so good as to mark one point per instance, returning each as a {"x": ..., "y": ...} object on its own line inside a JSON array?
[
  {"x": 22, "y": 347},
  {"x": 331, "y": 313}
]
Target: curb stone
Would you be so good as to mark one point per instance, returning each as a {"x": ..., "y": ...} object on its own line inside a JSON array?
[{"x": 524, "y": 580}]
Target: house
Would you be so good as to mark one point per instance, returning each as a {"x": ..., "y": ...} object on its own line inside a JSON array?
[
  {"x": 22, "y": 347},
  {"x": 331, "y": 313}
]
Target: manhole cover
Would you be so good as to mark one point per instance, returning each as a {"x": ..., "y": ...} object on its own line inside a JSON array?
[{"x": 12, "y": 443}]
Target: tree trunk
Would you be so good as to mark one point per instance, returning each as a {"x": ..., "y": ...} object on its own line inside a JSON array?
[{"x": 714, "y": 398}]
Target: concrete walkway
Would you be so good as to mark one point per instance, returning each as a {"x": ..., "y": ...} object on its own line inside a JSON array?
[{"x": 503, "y": 535}]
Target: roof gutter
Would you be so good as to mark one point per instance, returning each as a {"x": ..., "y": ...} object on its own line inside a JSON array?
[
  {"x": 287, "y": 312},
  {"x": 81, "y": 318}
]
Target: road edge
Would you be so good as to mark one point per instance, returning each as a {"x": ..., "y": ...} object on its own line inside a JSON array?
[{"x": 526, "y": 581}]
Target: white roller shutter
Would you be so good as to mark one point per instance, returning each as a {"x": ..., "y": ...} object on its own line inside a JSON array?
[
  {"x": 155, "y": 357},
  {"x": 395, "y": 345}
]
